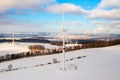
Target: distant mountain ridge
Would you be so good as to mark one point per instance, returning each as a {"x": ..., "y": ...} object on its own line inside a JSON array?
[{"x": 19, "y": 35}]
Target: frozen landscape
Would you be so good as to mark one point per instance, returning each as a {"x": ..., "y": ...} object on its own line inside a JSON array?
[
  {"x": 99, "y": 64},
  {"x": 59, "y": 39}
]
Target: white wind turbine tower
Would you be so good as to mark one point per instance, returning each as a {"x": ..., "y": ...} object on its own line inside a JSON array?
[
  {"x": 108, "y": 31},
  {"x": 63, "y": 49},
  {"x": 13, "y": 38}
]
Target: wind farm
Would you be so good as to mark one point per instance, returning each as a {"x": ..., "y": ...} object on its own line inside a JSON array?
[{"x": 59, "y": 40}]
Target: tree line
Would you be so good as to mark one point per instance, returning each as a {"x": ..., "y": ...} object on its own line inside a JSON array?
[{"x": 36, "y": 50}]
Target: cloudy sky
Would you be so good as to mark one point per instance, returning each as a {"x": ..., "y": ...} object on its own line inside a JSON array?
[{"x": 46, "y": 15}]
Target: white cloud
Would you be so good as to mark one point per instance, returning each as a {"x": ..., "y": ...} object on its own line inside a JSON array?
[
  {"x": 100, "y": 23},
  {"x": 67, "y": 8},
  {"x": 113, "y": 14},
  {"x": 21, "y": 4},
  {"x": 66, "y": 23},
  {"x": 5, "y": 5},
  {"x": 95, "y": 31},
  {"x": 109, "y": 4},
  {"x": 72, "y": 23},
  {"x": 116, "y": 24},
  {"x": 98, "y": 29},
  {"x": 107, "y": 9}
]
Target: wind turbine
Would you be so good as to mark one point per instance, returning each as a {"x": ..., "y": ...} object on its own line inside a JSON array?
[
  {"x": 13, "y": 38},
  {"x": 63, "y": 48},
  {"x": 108, "y": 32}
]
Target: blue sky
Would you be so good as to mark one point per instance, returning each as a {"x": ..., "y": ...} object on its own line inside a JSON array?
[
  {"x": 86, "y": 4},
  {"x": 81, "y": 16}
]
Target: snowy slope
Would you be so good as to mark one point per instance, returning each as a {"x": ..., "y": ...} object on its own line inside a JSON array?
[{"x": 99, "y": 64}]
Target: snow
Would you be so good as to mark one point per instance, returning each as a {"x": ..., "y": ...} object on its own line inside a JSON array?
[
  {"x": 99, "y": 64},
  {"x": 10, "y": 48}
]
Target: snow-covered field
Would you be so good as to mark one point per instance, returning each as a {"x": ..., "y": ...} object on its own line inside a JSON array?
[
  {"x": 99, "y": 64},
  {"x": 9, "y": 48}
]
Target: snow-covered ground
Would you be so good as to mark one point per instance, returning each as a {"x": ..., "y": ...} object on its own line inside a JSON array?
[
  {"x": 99, "y": 64},
  {"x": 17, "y": 47}
]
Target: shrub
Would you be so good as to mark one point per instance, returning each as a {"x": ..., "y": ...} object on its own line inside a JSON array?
[
  {"x": 55, "y": 60},
  {"x": 34, "y": 48},
  {"x": 10, "y": 67}
]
